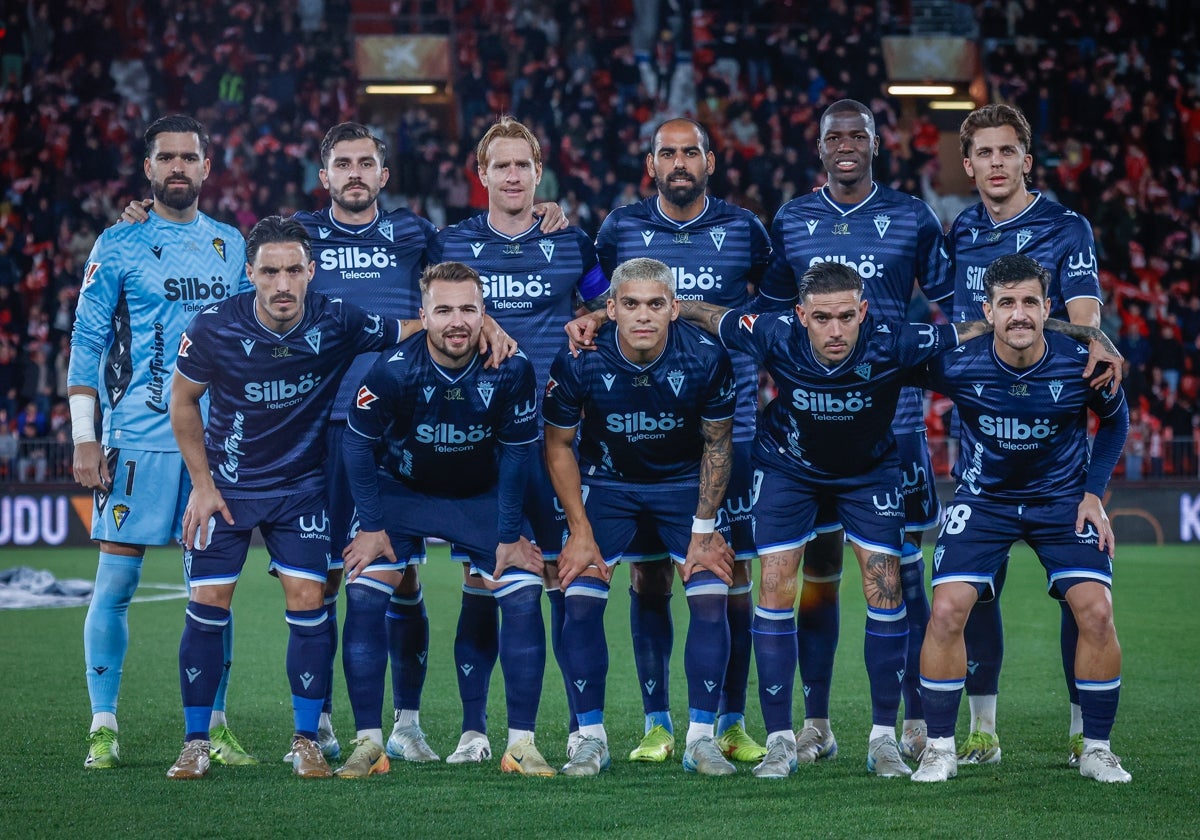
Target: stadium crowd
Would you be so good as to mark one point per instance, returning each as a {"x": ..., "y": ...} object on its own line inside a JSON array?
[{"x": 1110, "y": 88}]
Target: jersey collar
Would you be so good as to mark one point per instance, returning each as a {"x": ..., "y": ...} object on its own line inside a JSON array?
[
  {"x": 1037, "y": 197},
  {"x": 356, "y": 230},
  {"x": 1021, "y": 373},
  {"x": 668, "y": 220},
  {"x": 841, "y": 209},
  {"x": 514, "y": 238},
  {"x": 453, "y": 376}
]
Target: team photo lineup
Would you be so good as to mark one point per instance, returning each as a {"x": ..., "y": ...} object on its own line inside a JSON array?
[{"x": 553, "y": 406}]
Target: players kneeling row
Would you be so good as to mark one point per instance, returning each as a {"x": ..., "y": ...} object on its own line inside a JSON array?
[{"x": 444, "y": 441}]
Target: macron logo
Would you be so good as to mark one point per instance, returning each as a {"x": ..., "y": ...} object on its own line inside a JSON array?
[
  {"x": 306, "y": 679},
  {"x": 192, "y": 673},
  {"x": 476, "y": 247},
  {"x": 650, "y": 686},
  {"x": 580, "y": 685}
]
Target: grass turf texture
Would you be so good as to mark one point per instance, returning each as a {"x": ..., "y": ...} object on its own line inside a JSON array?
[{"x": 44, "y": 790}]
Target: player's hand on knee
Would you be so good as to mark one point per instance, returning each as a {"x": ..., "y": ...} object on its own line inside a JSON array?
[
  {"x": 577, "y": 556},
  {"x": 552, "y": 216},
  {"x": 710, "y": 552},
  {"x": 363, "y": 549},
  {"x": 90, "y": 467},
  {"x": 581, "y": 332},
  {"x": 137, "y": 212},
  {"x": 521, "y": 554}
]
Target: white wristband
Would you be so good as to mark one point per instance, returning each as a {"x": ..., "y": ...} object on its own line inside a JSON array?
[
  {"x": 703, "y": 526},
  {"x": 83, "y": 418}
]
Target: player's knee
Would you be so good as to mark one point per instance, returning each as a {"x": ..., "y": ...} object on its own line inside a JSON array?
[
  {"x": 949, "y": 611},
  {"x": 652, "y": 578},
  {"x": 823, "y": 556},
  {"x": 333, "y": 583},
  {"x": 303, "y": 594},
  {"x": 1092, "y": 607},
  {"x": 741, "y": 576}
]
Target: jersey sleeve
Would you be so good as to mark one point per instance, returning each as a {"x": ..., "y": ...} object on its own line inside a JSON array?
[
  {"x": 934, "y": 269},
  {"x": 371, "y": 415},
  {"x": 779, "y": 282},
  {"x": 721, "y": 396},
  {"x": 918, "y": 343},
  {"x": 606, "y": 242},
  {"x": 594, "y": 282},
  {"x": 520, "y": 424},
  {"x": 103, "y": 280},
  {"x": 195, "y": 357},
  {"x": 760, "y": 252},
  {"x": 1078, "y": 271},
  {"x": 562, "y": 405},
  {"x": 368, "y": 330},
  {"x": 749, "y": 332}
]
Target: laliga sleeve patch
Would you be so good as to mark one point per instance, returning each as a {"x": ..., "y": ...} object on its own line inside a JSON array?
[{"x": 365, "y": 397}]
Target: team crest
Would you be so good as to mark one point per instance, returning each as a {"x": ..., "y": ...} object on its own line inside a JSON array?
[
  {"x": 219, "y": 246},
  {"x": 1056, "y": 387},
  {"x": 89, "y": 273},
  {"x": 746, "y": 322},
  {"x": 120, "y": 514},
  {"x": 937, "y": 556},
  {"x": 454, "y": 393},
  {"x": 547, "y": 246},
  {"x": 811, "y": 224},
  {"x": 863, "y": 371},
  {"x": 717, "y": 235},
  {"x": 642, "y": 381},
  {"x": 683, "y": 238},
  {"x": 323, "y": 232},
  {"x": 513, "y": 249},
  {"x": 313, "y": 338},
  {"x": 184, "y": 344},
  {"x": 429, "y": 390},
  {"x": 608, "y": 379},
  {"x": 476, "y": 247},
  {"x": 1023, "y": 237},
  {"x": 248, "y": 345},
  {"x": 486, "y": 389},
  {"x": 280, "y": 352},
  {"x": 365, "y": 397},
  {"x": 882, "y": 223},
  {"x": 647, "y": 235},
  {"x": 675, "y": 379},
  {"x": 385, "y": 230},
  {"x": 841, "y": 229},
  {"x": 1019, "y": 389}
]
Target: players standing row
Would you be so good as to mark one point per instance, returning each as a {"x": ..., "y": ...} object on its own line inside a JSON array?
[{"x": 662, "y": 434}]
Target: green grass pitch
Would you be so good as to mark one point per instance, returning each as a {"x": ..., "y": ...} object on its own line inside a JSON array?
[{"x": 44, "y": 790}]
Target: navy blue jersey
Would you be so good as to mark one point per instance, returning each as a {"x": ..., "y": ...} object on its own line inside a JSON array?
[
  {"x": 440, "y": 429},
  {"x": 270, "y": 394},
  {"x": 531, "y": 282},
  {"x": 141, "y": 286},
  {"x": 832, "y": 421},
  {"x": 641, "y": 423},
  {"x": 376, "y": 267},
  {"x": 715, "y": 257},
  {"x": 1024, "y": 432},
  {"x": 891, "y": 239},
  {"x": 1058, "y": 238}
]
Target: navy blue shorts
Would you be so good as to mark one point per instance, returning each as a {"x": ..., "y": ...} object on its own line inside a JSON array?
[
  {"x": 735, "y": 517},
  {"x": 922, "y": 508},
  {"x": 869, "y": 506},
  {"x": 977, "y": 534},
  {"x": 469, "y": 523},
  {"x": 295, "y": 529},
  {"x": 618, "y": 511}
]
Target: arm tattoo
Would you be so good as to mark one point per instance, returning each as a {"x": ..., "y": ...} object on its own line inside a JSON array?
[
  {"x": 881, "y": 581},
  {"x": 597, "y": 303},
  {"x": 1081, "y": 333},
  {"x": 971, "y": 329},
  {"x": 715, "y": 465},
  {"x": 706, "y": 316}
]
